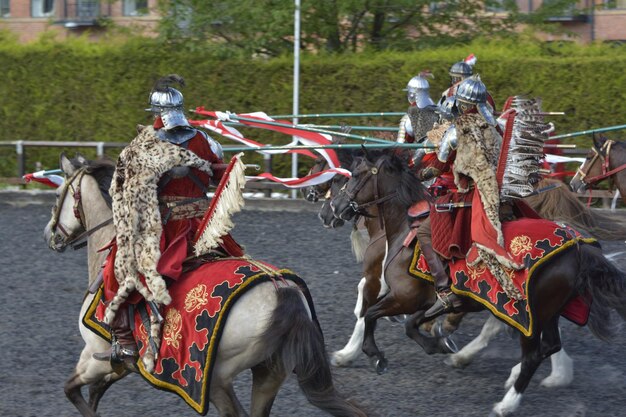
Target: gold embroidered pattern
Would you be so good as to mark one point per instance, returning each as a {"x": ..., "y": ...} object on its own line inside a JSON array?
[
  {"x": 172, "y": 327},
  {"x": 477, "y": 271},
  {"x": 521, "y": 244},
  {"x": 196, "y": 298}
]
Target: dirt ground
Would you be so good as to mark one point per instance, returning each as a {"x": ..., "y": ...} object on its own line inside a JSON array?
[{"x": 40, "y": 343}]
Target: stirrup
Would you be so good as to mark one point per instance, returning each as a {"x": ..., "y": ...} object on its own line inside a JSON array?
[
  {"x": 117, "y": 354},
  {"x": 447, "y": 302}
]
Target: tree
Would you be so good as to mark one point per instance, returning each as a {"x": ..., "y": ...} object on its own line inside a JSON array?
[{"x": 265, "y": 27}]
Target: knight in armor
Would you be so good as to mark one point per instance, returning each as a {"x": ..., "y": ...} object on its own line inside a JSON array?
[
  {"x": 182, "y": 197},
  {"x": 464, "y": 220},
  {"x": 458, "y": 72},
  {"x": 420, "y": 115}
]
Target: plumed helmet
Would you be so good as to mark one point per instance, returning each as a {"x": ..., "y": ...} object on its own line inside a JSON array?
[
  {"x": 167, "y": 102},
  {"x": 472, "y": 90},
  {"x": 459, "y": 71}
]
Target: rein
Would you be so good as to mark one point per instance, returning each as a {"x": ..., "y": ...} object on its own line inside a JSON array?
[
  {"x": 78, "y": 213},
  {"x": 377, "y": 200},
  {"x": 606, "y": 173}
]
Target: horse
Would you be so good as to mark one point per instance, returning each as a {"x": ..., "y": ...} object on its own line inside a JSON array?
[
  {"x": 558, "y": 203},
  {"x": 387, "y": 181},
  {"x": 605, "y": 159},
  {"x": 269, "y": 329}
]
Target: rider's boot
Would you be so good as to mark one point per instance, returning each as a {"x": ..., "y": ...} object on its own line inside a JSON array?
[
  {"x": 123, "y": 348},
  {"x": 447, "y": 301}
]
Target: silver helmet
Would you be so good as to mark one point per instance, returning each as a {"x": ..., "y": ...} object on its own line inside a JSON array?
[
  {"x": 460, "y": 71},
  {"x": 418, "y": 91},
  {"x": 471, "y": 93},
  {"x": 167, "y": 102}
]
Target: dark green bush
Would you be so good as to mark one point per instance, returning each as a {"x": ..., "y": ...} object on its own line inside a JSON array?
[{"x": 82, "y": 91}]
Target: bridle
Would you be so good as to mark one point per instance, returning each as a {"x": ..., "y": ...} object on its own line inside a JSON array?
[
  {"x": 378, "y": 201},
  {"x": 66, "y": 238},
  {"x": 314, "y": 193},
  {"x": 604, "y": 156}
]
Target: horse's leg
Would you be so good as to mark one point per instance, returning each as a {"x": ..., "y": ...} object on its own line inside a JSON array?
[
  {"x": 562, "y": 371},
  {"x": 88, "y": 371},
  {"x": 452, "y": 322},
  {"x": 562, "y": 365},
  {"x": 462, "y": 358},
  {"x": 531, "y": 359},
  {"x": 223, "y": 397},
  {"x": 351, "y": 350},
  {"x": 98, "y": 388},
  {"x": 266, "y": 381},
  {"x": 404, "y": 298},
  {"x": 369, "y": 289},
  {"x": 93, "y": 373},
  {"x": 430, "y": 344}
]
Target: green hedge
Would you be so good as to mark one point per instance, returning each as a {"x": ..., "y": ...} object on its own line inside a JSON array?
[{"x": 83, "y": 91}]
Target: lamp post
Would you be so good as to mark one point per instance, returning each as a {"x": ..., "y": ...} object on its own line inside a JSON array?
[{"x": 296, "y": 84}]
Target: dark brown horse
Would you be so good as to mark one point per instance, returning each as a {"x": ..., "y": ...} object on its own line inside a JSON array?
[
  {"x": 386, "y": 181},
  {"x": 606, "y": 160}
]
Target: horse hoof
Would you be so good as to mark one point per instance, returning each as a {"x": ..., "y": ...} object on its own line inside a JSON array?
[
  {"x": 458, "y": 364},
  {"x": 381, "y": 366},
  {"x": 339, "y": 361},
  {"x": 448, "y": 344}
]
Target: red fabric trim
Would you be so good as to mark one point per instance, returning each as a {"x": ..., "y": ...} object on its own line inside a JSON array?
[{"x": 504, "y": 150}]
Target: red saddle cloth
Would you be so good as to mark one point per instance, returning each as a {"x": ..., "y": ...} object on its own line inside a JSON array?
[
  {"x": 193, "y": 323},
  {"x": 531, "y": 242}
]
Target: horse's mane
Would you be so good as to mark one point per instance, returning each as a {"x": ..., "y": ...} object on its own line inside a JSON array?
[
  {"x": 101, "y": 169},
  {"x": 409, "y": 187}
]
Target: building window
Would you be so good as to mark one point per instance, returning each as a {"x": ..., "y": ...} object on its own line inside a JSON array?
[
  {"x": 5, "y": 8},
  {"x": 614, "y": 4},
  {"x": 42, "y": 8},
  {"x": 135, "y": 7}
]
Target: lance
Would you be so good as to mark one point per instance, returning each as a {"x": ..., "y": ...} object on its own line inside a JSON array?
[
  {"x": 333, "y": 146},
  {"x": 318, "y": 115},
  {"x": 589, "y": 132},
  {"x": 387, "y": 145},
  {"x": 235, "y": 117}
]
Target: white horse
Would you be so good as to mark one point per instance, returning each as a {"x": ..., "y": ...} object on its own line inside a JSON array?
[{"x": 256, "y": 335}]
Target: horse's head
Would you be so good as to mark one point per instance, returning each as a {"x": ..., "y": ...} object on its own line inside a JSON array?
[
  {"x": 377, "y": 178},
  {"x": 326, "y": 214},
  {"x": 596, "y": 161},
  {"x": 314, "y": 192},
  {"x": 67, "y": 222}
]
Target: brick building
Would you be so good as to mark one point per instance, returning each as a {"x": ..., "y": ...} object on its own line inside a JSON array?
[
  {"x": 591, "y": 20},
  {"x": 29, "y": 18}
]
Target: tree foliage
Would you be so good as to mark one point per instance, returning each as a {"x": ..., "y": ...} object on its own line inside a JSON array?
[{"x": 266, "y": 27}]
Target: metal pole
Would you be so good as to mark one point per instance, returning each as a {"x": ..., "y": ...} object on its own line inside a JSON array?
[
  {"x": 21, "y": 158},
  {"x": 100, "y": 149},
  {"x": 296, "y": 85}
]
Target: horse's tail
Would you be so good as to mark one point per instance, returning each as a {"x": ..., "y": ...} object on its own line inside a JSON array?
[
  {"x": 295, "y": 342},
  {"x": 561, "y": 204},
  {"x": 607, "y": 286}
]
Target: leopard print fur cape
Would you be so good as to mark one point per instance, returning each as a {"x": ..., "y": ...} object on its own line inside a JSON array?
[
  {"x": 477, "y": 156},
  {"x": 136, "y": 214}
]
